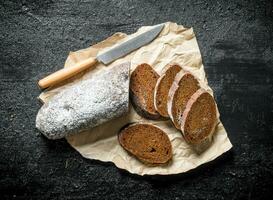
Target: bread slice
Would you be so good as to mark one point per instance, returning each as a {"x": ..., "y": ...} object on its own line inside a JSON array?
[
  {"x": 183, "y": 87},
  {"x": 162, "y": 88},
  {"x": 199, "y": 119},
  {"x": 142, "y": 85},
  {"x": 147, "y": 142}
]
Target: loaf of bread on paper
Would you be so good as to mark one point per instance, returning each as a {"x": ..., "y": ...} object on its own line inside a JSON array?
[{"x": 86, "y": 104}]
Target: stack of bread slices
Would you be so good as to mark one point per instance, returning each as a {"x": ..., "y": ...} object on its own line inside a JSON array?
[{"x": 176, "y": 95}]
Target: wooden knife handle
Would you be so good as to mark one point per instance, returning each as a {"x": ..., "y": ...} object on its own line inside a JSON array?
[{"x": 66, "y": 73}]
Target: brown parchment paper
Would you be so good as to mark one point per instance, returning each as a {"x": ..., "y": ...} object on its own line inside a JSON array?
[{"x": 175, "y": 44}]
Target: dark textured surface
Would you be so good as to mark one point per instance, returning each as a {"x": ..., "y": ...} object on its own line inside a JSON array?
[{"x": 236, "y": 41}]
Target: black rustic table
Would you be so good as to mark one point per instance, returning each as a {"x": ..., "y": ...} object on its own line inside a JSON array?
[{"x": 236, "y": 42}]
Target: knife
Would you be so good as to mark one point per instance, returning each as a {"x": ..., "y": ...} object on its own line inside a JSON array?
[{"x": 105, "y": 57}]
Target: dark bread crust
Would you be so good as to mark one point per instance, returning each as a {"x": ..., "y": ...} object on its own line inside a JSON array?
[
  {"x": 140, "y": 110},
  {"x": 162, "y": 88},
  {"x": 142, "y": 85},
  {"x": 147, "y": 142}
]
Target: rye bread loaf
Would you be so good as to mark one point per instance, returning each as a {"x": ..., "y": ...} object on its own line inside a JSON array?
[
  {"x": 86, "y": 104},
  {"x": 147, "y": 142},
  {"x": 142, "y": 85},
  {"x": 199, "y": 119},
  {"x": 162, "y": 88},
  {"x": 183, "y": 87}
]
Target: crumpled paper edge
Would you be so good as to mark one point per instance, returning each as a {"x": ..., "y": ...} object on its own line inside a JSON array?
[{"x": 92, "y": 51}]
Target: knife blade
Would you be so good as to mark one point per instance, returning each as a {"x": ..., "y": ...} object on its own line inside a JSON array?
[
  {"x": 106, "y": 57},
  {"x": 129, "y": 45}
]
